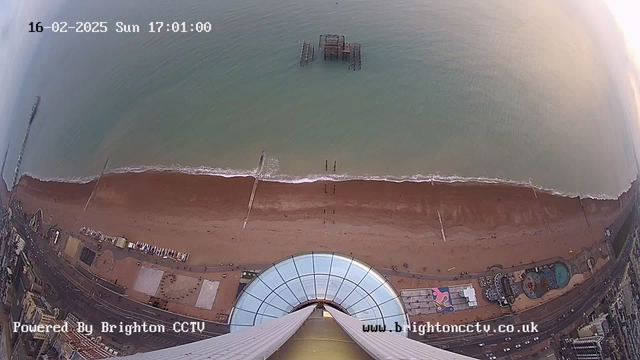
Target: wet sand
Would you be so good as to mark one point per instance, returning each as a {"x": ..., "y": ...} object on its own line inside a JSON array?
[{"x": 384, "y": 224}]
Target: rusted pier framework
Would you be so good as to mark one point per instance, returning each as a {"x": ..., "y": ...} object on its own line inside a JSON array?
[
  {"x": 335, "y": 47},
  {"x": 307, "y": 53},
  {"x": 355, "y": 58}
]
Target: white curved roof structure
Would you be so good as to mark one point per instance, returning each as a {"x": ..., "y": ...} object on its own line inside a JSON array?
[
  {"x": 314, "y": 304},
  {"x": 338, "y": 280},
  {"x": 262, "y": 341}
]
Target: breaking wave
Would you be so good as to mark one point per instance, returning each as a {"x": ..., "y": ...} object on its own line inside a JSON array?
[
  {"x": 70, "y": 180},
  {"x": 271, "y": 167}
]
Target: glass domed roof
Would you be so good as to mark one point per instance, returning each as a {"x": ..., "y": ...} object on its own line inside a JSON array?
[{"x": 351, "y": 285}]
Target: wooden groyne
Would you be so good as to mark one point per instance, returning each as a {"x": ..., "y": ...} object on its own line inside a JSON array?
[
  {"x": 253, "y": 191},
  {"x": 95, "y": 188}
]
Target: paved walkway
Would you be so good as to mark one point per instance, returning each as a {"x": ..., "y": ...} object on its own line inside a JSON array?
[{"x": 120, "y": 254}]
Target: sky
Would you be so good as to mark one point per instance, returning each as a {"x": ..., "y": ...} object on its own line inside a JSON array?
[
  {"x": 626, "y": 12},
  {"x": 17, "y": 46}
]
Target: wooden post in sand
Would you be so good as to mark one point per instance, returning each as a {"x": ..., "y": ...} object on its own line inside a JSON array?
[
  {"x": 584, "y": 212},
  {"x": 441, "y": 227},
  {"x": 95, "y": 188},
  {"x": 253, "y": 191},
  {"x": 533, "y": 188}
]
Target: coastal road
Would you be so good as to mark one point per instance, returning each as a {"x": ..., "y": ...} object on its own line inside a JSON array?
[
  {"x": 552, "y": 318},
  {"x": 94, "y": 303}
]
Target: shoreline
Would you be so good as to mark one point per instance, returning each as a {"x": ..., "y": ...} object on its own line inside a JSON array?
[
  {"x": 384, "y": 224},
  {"x": 328, "y": 176}
]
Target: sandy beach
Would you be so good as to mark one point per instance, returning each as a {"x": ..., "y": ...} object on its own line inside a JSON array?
[{"x": 384, "y": 224}]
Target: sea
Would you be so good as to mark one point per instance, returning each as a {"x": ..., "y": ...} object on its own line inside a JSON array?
[{"x": 523, "y": 92}]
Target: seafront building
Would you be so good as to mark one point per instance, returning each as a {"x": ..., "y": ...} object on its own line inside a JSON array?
[
  {"x": 337, "y": 280},
  {"x": 588, "y": 348},
  {"x": 74, "y": 345},
  {"x": 614, "y": 327},
  {"x": 598, "y": 326},
  {"x": 313, "y": 306},
  {"x": 36, "y": 311}
]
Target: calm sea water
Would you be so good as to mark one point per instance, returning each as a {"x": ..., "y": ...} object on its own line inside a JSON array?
[{"x": 516, "y": 90}]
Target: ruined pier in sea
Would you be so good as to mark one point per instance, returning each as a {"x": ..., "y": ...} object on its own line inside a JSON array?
[
  {"x": 333, "y": 47},
  {"x": 307, "y": 53}
]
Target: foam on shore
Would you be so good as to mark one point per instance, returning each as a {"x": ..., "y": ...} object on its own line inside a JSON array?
[{"x": 271, "y": 176}]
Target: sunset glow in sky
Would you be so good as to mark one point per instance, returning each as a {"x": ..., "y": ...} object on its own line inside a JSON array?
[{"x": 626, "y": 13}]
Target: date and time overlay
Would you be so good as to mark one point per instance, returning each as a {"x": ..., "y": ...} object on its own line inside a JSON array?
[{"x": 119, "y": 27}]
